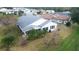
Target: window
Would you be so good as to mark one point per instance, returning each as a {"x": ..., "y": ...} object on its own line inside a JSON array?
[{"x": 51, "y": 27}]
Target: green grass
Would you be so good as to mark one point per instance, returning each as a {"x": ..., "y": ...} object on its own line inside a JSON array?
[
  {"x": 71, "y": 43},
  {"x": 0, "y": 38}
]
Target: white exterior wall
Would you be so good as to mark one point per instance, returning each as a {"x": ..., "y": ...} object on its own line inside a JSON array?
[
  {"x": 46, "y": 25},
  {"x": 50, "y": 24}
]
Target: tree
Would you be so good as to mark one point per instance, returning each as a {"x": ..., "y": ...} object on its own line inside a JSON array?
[
  {"x": 20, "y": 13},
  {"x": 7, "y": 42},
  {"x": 68, "y": 24},
  {"x": 75, "y": 15}
]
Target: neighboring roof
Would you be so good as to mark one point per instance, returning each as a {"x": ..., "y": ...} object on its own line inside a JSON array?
[
  {"x": 26, "y": 20},
  {"x": 63, "y": 13},
  {"x": 47, "y": 16},
  {"x": 56, "y": 16},
  {"x": 61, "y": 16}
]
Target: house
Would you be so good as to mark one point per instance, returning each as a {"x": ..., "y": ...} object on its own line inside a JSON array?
[
  {"x": 29, "y": 22},
  {"x": 26, "y": 11}
]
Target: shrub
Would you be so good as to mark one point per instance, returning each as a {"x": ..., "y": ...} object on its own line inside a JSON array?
[
  {"x": 34, "y": 34},
  {"x": 7, "y": 42}
]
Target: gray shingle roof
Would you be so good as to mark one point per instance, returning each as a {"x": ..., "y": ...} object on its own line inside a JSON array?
[{"x": 26, "y": 20}]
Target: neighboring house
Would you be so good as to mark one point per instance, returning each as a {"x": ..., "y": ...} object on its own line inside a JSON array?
[
  {"x": 57, "y": 17},
  {"x": 47, "y": 11},
  {"x": 29, "y": 22},
  {"x": 50, "y": 11},
  {"x": 31, "y": 11},
  {"x": 26, "y": 11},
  {"x": 11, "y": 11},
  {"x": 7, "y": 11},
  {"x": 67, "y": 12},
  {"x": 4, "y": 10}
]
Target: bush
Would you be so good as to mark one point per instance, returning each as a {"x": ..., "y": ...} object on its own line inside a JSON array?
[
  {"x": 34, "y": 34},
  {"x": 7, "y": 42}
]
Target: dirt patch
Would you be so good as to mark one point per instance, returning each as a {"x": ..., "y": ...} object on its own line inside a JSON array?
[
  {"x": 64, "y": 31},
  {"x": 8, "y": 19}
]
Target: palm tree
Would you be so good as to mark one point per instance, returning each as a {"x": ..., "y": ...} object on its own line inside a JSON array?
[{"x": 7, "y": 42}]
